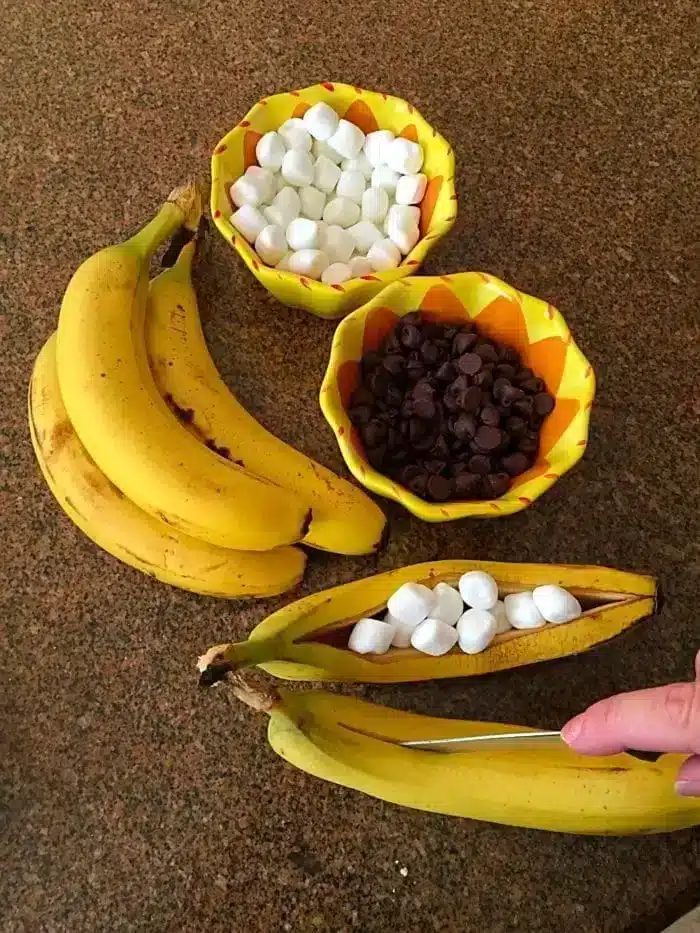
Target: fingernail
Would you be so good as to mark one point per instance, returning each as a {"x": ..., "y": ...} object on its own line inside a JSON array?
[
  {"x": 688, "y": 788},
  {"x": 572, "y": 730}
]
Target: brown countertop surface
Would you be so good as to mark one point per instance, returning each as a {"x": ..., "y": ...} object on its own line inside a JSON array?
[{"x": 131, "y": 800}]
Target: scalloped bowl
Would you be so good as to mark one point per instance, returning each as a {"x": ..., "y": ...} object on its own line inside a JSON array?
[
  {"x": 536, "y": 329},
  {"x": 370, "y": 111}
]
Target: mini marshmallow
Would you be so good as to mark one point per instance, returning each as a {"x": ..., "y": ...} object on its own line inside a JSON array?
[
  {"x": 522, "y": 611},
  {"x": 302, "y": 233},
  {"x": 284, "y": 209},
  {"x": 359, "y": 164},
  {"x": 364, "y": 234},
  {"x": 360, "y": 266},
  {"x": 384, "y": 255},
  {"x": 283, "y": 264},
  {"x": 375, "y": 204},
  {"x": 402, "y": 631},
  {"x": 370, "y": 636},
  {"x": 556, "y": 604},
  {"x": 313, "y": 200},
  {"x": 248, "y": 190},
  {"x": 376, "y": 145},
  {"x": 321, "y": 148},
  {"x": 326, "y": 174},
  {"x": 265, "y": 178},
  {"x": 297, "y": 168},
  {"x": 348, "y": 139},
  {"x": 434, "y": 637},
  {"x": 280, "y": 183},
  {"x": 337, "y": 243},
  {"x": 336, "y": 273},
  {"x": 479, "y": 590},
  {"x": 449, "y": 606},
  {"x": 404, "y": 235},
  {"x": 412, "y": 603},
  {"x": 295, "y": 135},
  {"x": 476, "y": 630},
  {"x": 351, "y": 185},
  {"x": 341, "y": 211},
  {"x": 404, "y": 215},
  {"x": 411, "y": 188},
  {"x": 271, "y": 244},
  {"x": 404, "y": 156},
  {"x": 270, "y": 151},
  {"x": 501, "y": 616},
  {"x": 308, "y": 262},
  {"x": 386, "y": 178},
  {"x": 321, "y": 121},
  {"x": 249, "y": 222}
]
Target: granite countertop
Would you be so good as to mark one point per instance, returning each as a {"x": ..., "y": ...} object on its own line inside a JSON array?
[{"x": 132, "y": 801}]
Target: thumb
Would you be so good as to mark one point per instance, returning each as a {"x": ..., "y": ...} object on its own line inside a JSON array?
[
  {"x": 688, "y": 782},
  {"x": 661, "y": 719}
]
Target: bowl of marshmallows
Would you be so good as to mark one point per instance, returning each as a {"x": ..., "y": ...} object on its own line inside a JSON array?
[{"x": 332, "y": 192}]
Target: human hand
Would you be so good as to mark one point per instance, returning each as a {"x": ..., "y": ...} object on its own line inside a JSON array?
[{"x": 661, "y": 719}]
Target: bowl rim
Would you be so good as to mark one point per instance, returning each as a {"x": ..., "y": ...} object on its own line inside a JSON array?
[
  {"x": 380, "y": 484},
  {"x": 409, "y": 265}
]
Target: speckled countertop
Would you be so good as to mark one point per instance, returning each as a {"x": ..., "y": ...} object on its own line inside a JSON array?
[{"x": 133, "y": 802}]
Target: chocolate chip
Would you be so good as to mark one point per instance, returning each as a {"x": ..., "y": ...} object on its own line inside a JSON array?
[
  {"x": 515, "y": 464},
  {"x": 464, "y": 426},
  {"x": 424, "y": 408},
  {"x": 374, "y": 433},
  {"x": 435, "y": 466},
  {"x": 413, "y": 317},
  {"x": 371, "y": 360},
  {"x": 488, "y": 438},
  {"x": 497, "y": 484},
  {"x": 528, "y": 444},
  {"x": 392, "y": 343},
  {"x": 516, "y": 426},
  {"x": 450, "y": 401},
  {"x": 467, "y": 485},
  {"x": 524, "y": 407},
  {"x": 522, "y": 375},
  {"x": 409, "y": 473},
  {"x": 411, "y": 337},
  {"x": 483, "y": 379},
  {"x": 470, "y": 399},
  {"x": 430, "y": 352},
  {"x": 499, "y": 387},
  {"x": 406, "y": 407},
  {"x": 361, "y": 414},
  {"x": 490, "y": 415},
  {"x": 379, "y": 382},
  {"x": 419, "y": 484},
  {"x": 531, "y": 385},
  {"x": 439, "y": 449},
  {"x": 376, "y": 457},
  {"x": 543, "y": 403},
  {"x": 469, "y": 364},
  {"x": 417, "y": 430},
  {"x": 393, "y": 363},
  {"x": 439, "y": 488},
  {"x": 510, "y": 355},
  {"x": 479, "y": 464},
  {"x": 505, "y": 370},
  {"x": 423, "y": 389},
  {"x": 447, "y": 372},
  {"x": 463, "y": 342},
  {"x": 414, "y": 370},
  {"x": 362, "y": 396},
  {"x": 511, "y": 394},
  {"x": 487, "y": 352}
]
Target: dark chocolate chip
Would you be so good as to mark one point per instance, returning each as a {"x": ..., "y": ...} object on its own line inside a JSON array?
[
  {"x": 524, "y": 406},
  {"x": 379, "y": 382},
  {"x": 484, "y": 379},
  {"x": 411, "y": 337},
  {"x": 529, "y": 444},
  {"x": 487, "y": 352},
  {"x": 392, "y": 343},
  {"x": 499, "y": 387},
  {"x": 515, "y": 464},
  {"x": 450, "y": 401},
  {"x": 479, "y": 464},
  {"x": 469, "y": 364},
  {"x": 543, "y": 404},
  {"x": 439, "y": 488},
  {"x": 424, "y": 408},
  {"x": 439, "y": 450},
  {"x": 430, "y": 352},
  {"x": 505, "y": 370},
  {"x": 419, "y": 484},
  {"x": 510, "y": 355},
  {"x": 416, "y": 429},
  {"x": 435, "y": 466},
  {"x": 414, "y": 370},
  {"x": 531, "y": 385},
  {"x": 510, "y": 394},
  {"x": 522, "y": 375},
  {"x": 374, "y": 433},
  {"x": 471, "y": 399},
  {"x": 409, "y": 473},
  {"x": 488, "y": 438},
  {"x": 467, "y": 485},
  {"x": 407, "y": 407},
  {"x": 516, "y": 426},
  {"x": 393, "y": 363},
  {"x": 490, "y": 415},
  {"x": 362, "y": 396},
  {"x": 360, "y": 415},
  {"x": 376, "y": 457},
  {"x": 497, "y": 484},
  {"x": 371, "y": 360},
  {"x": 413, "y": 317},
  {"x": 464, "y": 426},
  {"x": 463, "y": 342},
  {"x": 447, "y": 372}
]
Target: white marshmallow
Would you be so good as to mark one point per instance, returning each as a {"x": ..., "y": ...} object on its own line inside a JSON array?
[
  {"x": 364, "y": 234},
  {"x": 336, "y": 273},
  {"x": 248, "y": 190},
  {"x": 370, "y": 636},
  {"x": 280, "y": 183},
  {"x": 302, "y": 233},
  {"x": 297, "y": 168},
  {"x": 341, "y": 211},
  {"x": 501, "y": 616},
  {"x": 404, "y": 156},
  {"x": 479, "y": 590},
  {"x": 283, "y": 264},
  {"x": 284, "y": 209},
  {"x": 321, "y": 148},
  {"x": 410, "y": 189},
  {"x": 384, "y": 255},
  {"x": 337, "y": 243},
  {"x": 402, "y": 631},
  {"x": 404, "y": 215},
  {"x": 522, "y": 611},
  {"x": 476, "y": 630},
  {"x": 376, "y": 145},
  {"x": 326, "y": 174},
  {"x": 411, "y": 603},
  {"x": 556, "y": 604},
  {"x": 348, "y": 139},
  {"x": 271, "y": 244},
  {"x": 359, "y": 164},
  {"x": 265, "y": 178},
  {"x": 402, "y": 231},
  {"x": 360, "y": 266},
  {"x": 249, "y": 222},
  {"x": 351, "y": 185},
  {"x": 308, "y": 262},
  {"x": 449, "y": 606},
  {"x": 386, "y": 178},
  {"x": 295, "y": 135},
  {"x": 270, "y": 151},
  {"x": 434, "y": 637},
  {"x": 375, "y": 204},
  {"x": 321, "y": 121},
  {"x": 313, "y": 200}
]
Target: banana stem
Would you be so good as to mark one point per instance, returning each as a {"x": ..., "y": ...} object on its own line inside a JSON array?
[
  {"x": 182, "y": 207},
  {"x": 262, "y": 701},
  {"x": 222, "y": 660}
]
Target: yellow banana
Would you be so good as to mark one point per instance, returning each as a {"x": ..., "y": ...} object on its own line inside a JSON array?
[
  {"x": 118, "y": 526},
  {"x": 355, "y": 743},
  {"x": 307, "y": 640},
  {"x": 127, "y": 428},
  {"x": 345, "y": 520}
]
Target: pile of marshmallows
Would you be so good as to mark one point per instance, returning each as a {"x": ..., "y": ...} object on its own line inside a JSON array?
[
  {"x": 328, "y": 202},
  {"x": 433, "y": 621}
]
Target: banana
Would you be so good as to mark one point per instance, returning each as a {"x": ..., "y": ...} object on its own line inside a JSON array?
[
  {"x": 119, "y": 527},
  {"x": 345, "y": 520},
  {"x": 126, "y": 427},
  {"x": 307, "y": 640},
  {"x": 353, "y": 743}
]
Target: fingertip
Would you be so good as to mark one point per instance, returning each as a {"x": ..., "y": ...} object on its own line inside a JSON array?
[{"x": 572, "y": 730}]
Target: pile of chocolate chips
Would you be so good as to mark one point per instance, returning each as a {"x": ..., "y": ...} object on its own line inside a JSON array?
[{"x": 447, "y": 412}]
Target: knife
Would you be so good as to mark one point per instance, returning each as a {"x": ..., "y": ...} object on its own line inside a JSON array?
[{"x": 506, "y": 740}]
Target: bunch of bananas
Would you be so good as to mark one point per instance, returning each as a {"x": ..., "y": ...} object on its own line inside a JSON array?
[{"x": 149, "y": 453}]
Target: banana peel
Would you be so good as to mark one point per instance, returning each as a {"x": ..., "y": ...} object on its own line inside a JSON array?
[{"x": 307, "y": 640}]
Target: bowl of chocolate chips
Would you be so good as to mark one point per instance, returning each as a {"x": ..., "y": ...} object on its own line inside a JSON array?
[{"x": 458, "y": 396}]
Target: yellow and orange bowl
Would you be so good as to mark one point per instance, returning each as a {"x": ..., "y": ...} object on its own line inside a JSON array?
[
  {"x": 536, "y": 330},
  {"x": 370, "y": 111}
]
